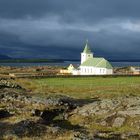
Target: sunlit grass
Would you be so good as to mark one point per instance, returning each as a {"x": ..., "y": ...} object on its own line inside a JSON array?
[{"x": 84, "y": 87}]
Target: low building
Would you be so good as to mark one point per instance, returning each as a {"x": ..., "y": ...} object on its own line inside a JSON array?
[
  {"x": 68, "y": 70},
  {"x": 135, "y": 70}
]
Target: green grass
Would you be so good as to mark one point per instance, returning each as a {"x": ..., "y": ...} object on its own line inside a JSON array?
[{"x": 84, "y": 87}]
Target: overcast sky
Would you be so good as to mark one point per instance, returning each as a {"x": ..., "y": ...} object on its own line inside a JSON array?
[{"x": 59, "y": 28}]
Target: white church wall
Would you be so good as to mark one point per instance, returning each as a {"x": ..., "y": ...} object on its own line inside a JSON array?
[
  {"x": 76, "y": 72},
  {"x": 86, "y": 70},
  {"x": 109, "y": 71}
]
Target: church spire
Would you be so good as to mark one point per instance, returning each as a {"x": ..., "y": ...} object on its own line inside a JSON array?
[
  {"x": 87, "y": 48},
  {"x": 86, "y": 54}
]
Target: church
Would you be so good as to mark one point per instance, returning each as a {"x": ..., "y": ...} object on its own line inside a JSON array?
[{"x": 91, "y": 65}]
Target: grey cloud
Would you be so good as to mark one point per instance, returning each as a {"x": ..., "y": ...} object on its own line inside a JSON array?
[
  {"x": 59, "y": 28},
  {"x": 69, "y": 10}
]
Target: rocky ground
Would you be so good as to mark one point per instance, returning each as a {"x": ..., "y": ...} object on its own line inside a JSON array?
[{"x": 23, "y": 116}]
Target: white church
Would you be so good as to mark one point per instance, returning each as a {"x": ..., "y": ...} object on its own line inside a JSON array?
[{"x": 91, "y": 65}]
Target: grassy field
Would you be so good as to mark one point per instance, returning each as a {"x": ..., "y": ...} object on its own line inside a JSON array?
[{"x": 84, "y": 87}]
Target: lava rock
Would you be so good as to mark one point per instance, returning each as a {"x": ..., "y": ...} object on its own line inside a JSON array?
[
  {"x": 9, "y": 84},
  {"x": 81, "y": 136},
  {"x": 4, "y": 113},
  {"x": 49, "y": 115},
  {"x": 36, "y": 112},
  {"x": 67, "y": 102},
  {"x": 29, "y": 128}
]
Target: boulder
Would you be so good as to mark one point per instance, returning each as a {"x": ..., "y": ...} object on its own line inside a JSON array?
[
  {"x": 118, "y": 122},
  {"x": 67, "y": 102}
]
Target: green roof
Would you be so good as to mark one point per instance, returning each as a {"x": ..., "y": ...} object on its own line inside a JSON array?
[
  {"x": 70, "y": 67},
  {"x": 87, "y": 48},
  {"x": 97, "y": 62}
]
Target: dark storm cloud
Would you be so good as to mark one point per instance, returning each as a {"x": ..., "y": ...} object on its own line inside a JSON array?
[
  {"x": 80, "y": 9},
  {"x": 58, "y": 28}
]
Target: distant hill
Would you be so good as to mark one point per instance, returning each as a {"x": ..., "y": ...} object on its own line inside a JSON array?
[{"x": 4, "y": 57}]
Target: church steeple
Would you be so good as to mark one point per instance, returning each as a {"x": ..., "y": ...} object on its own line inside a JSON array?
[
  {"x": 86, "y": 54},
  {"x": 87, "y": 48}
]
